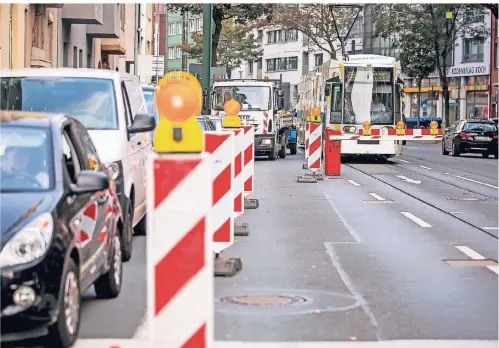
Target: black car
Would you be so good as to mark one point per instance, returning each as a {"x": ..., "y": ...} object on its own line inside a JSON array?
[
  {"x": 471, "y": 136},
  {"x": 60, "y": 225}
]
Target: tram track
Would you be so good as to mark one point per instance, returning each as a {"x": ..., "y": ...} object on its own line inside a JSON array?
[{"x": 352, "y": 166}]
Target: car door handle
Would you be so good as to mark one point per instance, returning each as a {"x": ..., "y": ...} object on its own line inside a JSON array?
[{"x": 139, "y": 143}]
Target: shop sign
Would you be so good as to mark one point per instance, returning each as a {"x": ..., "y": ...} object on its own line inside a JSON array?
[{"x": 466, "y": 70}]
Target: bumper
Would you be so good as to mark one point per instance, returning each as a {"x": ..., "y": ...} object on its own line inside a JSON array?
[
  {"x": 478, "y": 147},
  {"x": 30, "y": 319},
  {"x": 264, "y": 145}
]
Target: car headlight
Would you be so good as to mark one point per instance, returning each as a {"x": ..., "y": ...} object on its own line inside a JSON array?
[
  {"x": 30, "y": 243},
  {"x": 114, "y": 170},
  {"x": 266, "y": 141}
]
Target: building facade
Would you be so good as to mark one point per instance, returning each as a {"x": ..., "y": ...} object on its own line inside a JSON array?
[
  {"x": 28, "y": 35},
  {"x": 494, "y": 60},
  {"x": 180, "y": 28},
  {"x": 469, "y": 80}
]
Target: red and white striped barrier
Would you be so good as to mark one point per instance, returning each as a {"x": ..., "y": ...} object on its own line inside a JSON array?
[
  {"x": 315, "y": 148},
  {"x": 392, "y": 134},
  {"x": 249, "y": 160},
  {"x": 238, "y": 183},
  {"x": 179, "y": 251},
  {"x": 307, "y": 137},
  {"x": 221, "y": 147},
  {"x": 265, "y": 122},
  {"x": 88, "y": 224}
]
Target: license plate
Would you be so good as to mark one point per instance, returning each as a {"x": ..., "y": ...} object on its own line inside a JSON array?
[{"x": 482, "y": 139}]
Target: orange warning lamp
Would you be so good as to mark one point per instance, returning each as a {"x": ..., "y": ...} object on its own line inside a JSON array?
[
  {"x": 367, "y": 127},
  {"x": 178, "y": 100},
  {"x": 309, "y": 115},
  {"x": 400, "y": 128},
  {"x": 231, "y": 120}
]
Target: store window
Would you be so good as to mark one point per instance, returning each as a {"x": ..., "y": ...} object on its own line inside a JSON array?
[
  {"x": 477, "y": 104},
  {"x": 428, "y": 107}
]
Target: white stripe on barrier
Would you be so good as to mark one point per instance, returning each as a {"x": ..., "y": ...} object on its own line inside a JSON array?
[{"x": 249, "y": 160}]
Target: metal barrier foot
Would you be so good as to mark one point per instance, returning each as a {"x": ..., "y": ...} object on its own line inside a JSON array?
[
  {"x": 227, "y": 268},
  {"x": 307, "y": 179},
  {"x": 250, "y": 203},
  {"x": 318, "y": 176},
  {"x": 241, "y": 229},
  {"x": 305, "y": 165}
]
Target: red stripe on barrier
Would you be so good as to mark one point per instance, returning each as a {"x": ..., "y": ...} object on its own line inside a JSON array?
[
  {"x": 215, "y": 141},
  {"x": 83, "y": 236},
  {"x": 91, "y": 211},
  {"x": 247, "y": 129},
  {"x": 306, "y": 143},
  {"x": 223, "y": 233},
  {"x": 169, "y": 174},
  {"x": 248, "y": 185},
  {"x": 375, "y": 131},
  {"x": 238, "y": 203},
  {"x": 409, "y": 131},
  {"x": 355, "y": 137},
  {"x": 314, "y": 126},
  {"x": 221, "y": 185},
  {"x": 425, "y": 132},
  {"x": 418, "y": 136},
  {"x": 198, "y": 340},
  {"x": 184, "y": 261},
  {"x": 238, "y": 165},
  {"x": 315, "y": 145},
  {"x": 316, "y": 164},
  {"x": 392, "y": 131},
  {"x": 248, "y": 154}
]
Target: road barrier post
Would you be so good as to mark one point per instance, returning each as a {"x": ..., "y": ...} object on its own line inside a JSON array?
[
  {"x": 220, "y": 145},
  {"x": 232, "y": 123},
  {"x": 249, "y": 167},
  {"x": 307, "y": 138}
]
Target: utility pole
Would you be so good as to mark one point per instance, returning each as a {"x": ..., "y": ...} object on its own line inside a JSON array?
[
  {"x": 184, "y": 40},
  {"x": 136, "y": 41},
  {"x": 207, "y": 14}
]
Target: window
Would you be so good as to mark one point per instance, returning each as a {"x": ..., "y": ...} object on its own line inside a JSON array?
[
  {"x": 75, "y": 57},
  {"x": 178, "y": 52},
  {"x": 200, "y": 23},
  {"x": 278, "y": 64},
  {"x": 126, "y": 105},
  {"x": 80, "y": 58},
  {"x": 336, "y": 104},
  {"x": 71, "y": 159},
  {"x": 292, "y": 63},
  {"x": 477, "y": 104},
  {"x": 276, "y": 36},
  {"x": 250, "y": 67},
  {"x": 318, "y": 59},
  {"x": 472, "y": 50},
  {"x": 356, "y": 30},
  {"x": 171, "y": 52},
  {"x": 90, "y": 100},
  {"x": 88, "y": 146},
  {"x": 260, "y": 35},
  {"x": 65, "y": 55},
  {"x": 259, "y": 64},
  {"x": 270, "y": 65},
  {"x": 191, "y": 25},
  {"x": 89, "y": 61},
  {"x": 171, "y": 29}
]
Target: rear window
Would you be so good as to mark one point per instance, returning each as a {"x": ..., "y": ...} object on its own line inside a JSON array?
[
  {"x": 90, "y": 100},
  {"x": 480, "y": 126}
]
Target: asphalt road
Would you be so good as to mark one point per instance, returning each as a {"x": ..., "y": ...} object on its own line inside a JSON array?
[{"x": 360, "y": 257}]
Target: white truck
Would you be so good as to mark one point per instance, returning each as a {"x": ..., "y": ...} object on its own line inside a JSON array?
[{"x": 261, "y": 102}]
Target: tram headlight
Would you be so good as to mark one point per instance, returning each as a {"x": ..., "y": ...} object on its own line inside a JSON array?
[{"x": 349, "y": 129}]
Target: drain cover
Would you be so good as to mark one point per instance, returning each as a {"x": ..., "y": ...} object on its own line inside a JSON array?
[{"x": 262, "y": 300}]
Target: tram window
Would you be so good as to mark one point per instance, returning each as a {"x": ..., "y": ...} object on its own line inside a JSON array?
[{"x": 336, "y": 104}]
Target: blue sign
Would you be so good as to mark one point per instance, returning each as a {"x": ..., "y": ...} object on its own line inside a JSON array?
[{"x": 424, "y": 102}]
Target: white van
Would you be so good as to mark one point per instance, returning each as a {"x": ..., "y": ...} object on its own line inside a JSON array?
[{"x": 111, "y": 106}]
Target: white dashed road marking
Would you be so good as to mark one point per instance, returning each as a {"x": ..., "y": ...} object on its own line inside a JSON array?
[
  {"x": 425, "y": 167},
  {"x": 475, "y": 181},
  {"x": 476, "y": 256},
  {"x": 401, "y": 160},
  {"x": 354, "y": 183},
  {"x": 415, "y": 219},
  {"x": 376, "y": 196}
]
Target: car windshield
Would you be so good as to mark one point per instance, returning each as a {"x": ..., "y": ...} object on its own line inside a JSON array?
[
  {"x": 480, "y": 126},
  {"x": 25, "y": 159},
  {"x": 90, "y": 100},
  {"x": 150, "y": 102},
  {"x": 250, "y": 97}
]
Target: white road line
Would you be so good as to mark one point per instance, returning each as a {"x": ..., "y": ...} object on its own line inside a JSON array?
[
  {"x": 476, "y": 256},
  {"x": 414, "y": 218},
  {"x": 475, "y": 181},
  {"x": 489, "y": 228},
  {"x": 401, "y": 160},
  {"x": 354, "y": 183},
  {"x": 425, "y": 167},
  {"x": 349, "y": 228},
  {"x": 376, "y": 196}
]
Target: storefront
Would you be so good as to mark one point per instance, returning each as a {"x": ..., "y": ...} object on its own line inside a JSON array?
[{"x": 477, "y": 97}]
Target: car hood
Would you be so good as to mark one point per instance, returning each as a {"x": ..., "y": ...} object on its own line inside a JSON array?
[{"x": 20, "y": 208}]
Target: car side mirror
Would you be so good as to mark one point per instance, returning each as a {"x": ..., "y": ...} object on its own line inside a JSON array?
[
  {"x": 90, "y": 181},
  {"x": 142, "y": 123}
]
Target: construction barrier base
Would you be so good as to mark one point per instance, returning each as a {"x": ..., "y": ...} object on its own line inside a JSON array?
[
  {"x": 307, "y": 179},
  {"x": 305, "y": 166},
  {"x": 227, "y": 268},
  {"x": 250, "y": 203},
  {"x": 318, "y": 176},
  {"x": 241, "y": 229}
]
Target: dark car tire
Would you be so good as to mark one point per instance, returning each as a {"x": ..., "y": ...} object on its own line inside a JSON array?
[
  {"x": 141, "y": 228},
  {"x": 485, "y": 154},
  {"x": 496, "y": 155},
  {"x": 455, "y": 149},
  {"x": 59, "y": 335},
  {"x": 293, "y": 149},
  {"x": 108, "y": 285},
  {"x": 272, "y": 155},
  {"x": 127, "y": 235},
  {"x": 444, "y": 151}
]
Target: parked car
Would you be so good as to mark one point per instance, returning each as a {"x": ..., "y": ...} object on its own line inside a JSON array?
[
  {"x": 471, "y": 136},
  {"x": 111, "y": 106},
  {"x": 60, "y": 230},
  {"x": 206, "y": 123}
]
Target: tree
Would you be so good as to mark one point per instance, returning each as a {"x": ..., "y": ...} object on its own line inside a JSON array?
[
  {"x": 235, "y": 46},
  {"x": 241, "y": 13},
  {"x": 417, "y": 59},
  {"x": 321, "y": 25},
  {"x": 492, "y": 8},
  {"x": 430, "y": 21}
]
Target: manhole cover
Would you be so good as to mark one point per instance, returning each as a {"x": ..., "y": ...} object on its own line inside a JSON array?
[{"x": 256, "y": 300}]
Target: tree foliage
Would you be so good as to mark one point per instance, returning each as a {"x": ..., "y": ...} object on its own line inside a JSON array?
[
  {"x": 236, "y": 45},
  {"x": 241, "y": 13},
  {"x": 325, "y": 29},
  {"x": 429, "y": 21},
  {"x": 492, "y": 8}
]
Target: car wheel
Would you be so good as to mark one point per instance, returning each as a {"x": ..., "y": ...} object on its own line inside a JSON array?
[
  {"x": 485, "y": 154},
  {"x": 141, "y": 228},
  {"x": 444, "y": 151},
  {"x": 108, "y": 285},
  {"x": 127, "y": 235},
  {"x": 496, "y": 155},
  {"x": 455, "y": 149},
  {"x": 63, "y": 333}
]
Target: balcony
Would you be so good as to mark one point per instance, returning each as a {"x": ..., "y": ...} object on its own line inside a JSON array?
[
  {"x": 114, "y": 46},
  {"x": 110, "y": 28},
  {"x": 83, "y": 13}
]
